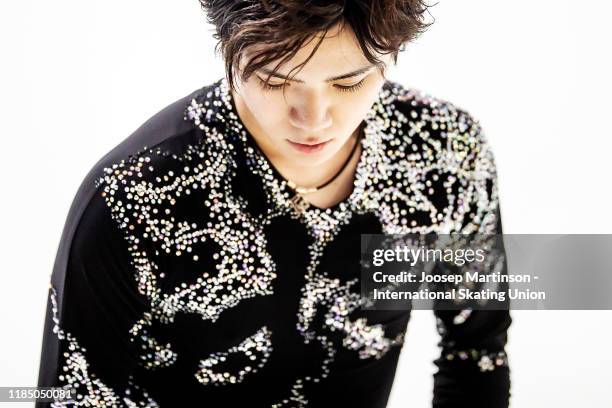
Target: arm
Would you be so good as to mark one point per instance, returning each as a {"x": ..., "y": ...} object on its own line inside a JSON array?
[
  {"x": 93, "y": 302},
  {"x": 473, "y": 366}
]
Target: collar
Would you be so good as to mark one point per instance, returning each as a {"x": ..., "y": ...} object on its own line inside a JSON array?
[{"x": 213, "y": 110}]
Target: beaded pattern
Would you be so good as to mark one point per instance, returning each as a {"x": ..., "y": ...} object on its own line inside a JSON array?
[
  {"x": 90, "y": 391},
  {"x": 486, "y": 361},
  {"x": 145, "y": 210},
  {"x": 339, "y": 301},
  {"x": 258, "y": 344},
  {"x": 424, "y": 167},
  {"x": 153, "y": 355}
]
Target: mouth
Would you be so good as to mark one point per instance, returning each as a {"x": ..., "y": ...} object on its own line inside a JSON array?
[{"x": 308, "y": 147}]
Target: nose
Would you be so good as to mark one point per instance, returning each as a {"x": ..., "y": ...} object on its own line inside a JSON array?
[{"x": 310, "y": 113}]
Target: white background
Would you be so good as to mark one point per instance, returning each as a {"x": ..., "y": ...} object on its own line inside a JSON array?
[{"x": 78, "y": 77}]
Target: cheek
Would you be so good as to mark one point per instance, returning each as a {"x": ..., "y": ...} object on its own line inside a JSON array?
[
  {"x": 267, "y": 109},
  {"x": 353, "y": 108}
]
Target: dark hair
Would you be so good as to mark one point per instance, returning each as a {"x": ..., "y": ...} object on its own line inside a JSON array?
[{"x": 281, "y": 27}]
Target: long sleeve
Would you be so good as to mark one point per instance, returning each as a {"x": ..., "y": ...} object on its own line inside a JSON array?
[
  {"x": 473, "y": 365},
  {"x": 93, "y": 304}
]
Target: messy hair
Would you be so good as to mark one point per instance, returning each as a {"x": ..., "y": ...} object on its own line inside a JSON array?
[{"x": 279, "y": 28}]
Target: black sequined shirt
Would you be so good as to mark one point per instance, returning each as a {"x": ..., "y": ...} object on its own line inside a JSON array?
[{"x": 185, "y": 278}]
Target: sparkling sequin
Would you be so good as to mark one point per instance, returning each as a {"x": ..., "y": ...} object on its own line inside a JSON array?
[
  {"x": 486, "y": 361},
  {"x": 256, "y": 348},
  {"x": 76, "y": 374}
]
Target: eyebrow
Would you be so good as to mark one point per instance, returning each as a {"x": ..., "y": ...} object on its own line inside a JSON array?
[{"x": 335, "y": 78}]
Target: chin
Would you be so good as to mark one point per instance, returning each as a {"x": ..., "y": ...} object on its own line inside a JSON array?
[{"x": 311, "y": 159}]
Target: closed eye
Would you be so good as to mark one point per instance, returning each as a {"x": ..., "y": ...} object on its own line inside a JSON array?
[
  {"x": 350, "y": 88},
  {"x": 342, "y": 88}
]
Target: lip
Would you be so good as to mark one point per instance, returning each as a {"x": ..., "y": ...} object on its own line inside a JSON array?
[{"x": 308, "y": 148}]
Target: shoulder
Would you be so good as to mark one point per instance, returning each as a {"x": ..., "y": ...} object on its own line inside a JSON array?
[
  {"x": 439, "y": 153},
  {"x": 431, "y": 110},
  {"x": 158, "y": 143},
  {"x": 163, "y": 130},
  {"x": 437, "y": 127}
]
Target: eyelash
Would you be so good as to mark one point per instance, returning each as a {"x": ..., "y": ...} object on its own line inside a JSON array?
[{"x": 352, "y": 88}]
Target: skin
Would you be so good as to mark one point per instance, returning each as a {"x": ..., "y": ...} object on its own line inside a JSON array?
[{"x": 313, "y": 110}]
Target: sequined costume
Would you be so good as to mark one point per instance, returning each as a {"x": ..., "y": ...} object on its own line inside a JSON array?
[{"x": 184, "y": 277}]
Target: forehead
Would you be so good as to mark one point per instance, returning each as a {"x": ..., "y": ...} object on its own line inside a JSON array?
[{"x": 338, "y": 53}]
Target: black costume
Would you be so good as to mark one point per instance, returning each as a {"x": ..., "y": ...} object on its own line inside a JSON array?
[{"x": 185, "y": 278}]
